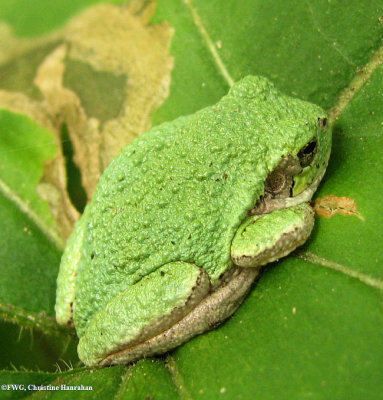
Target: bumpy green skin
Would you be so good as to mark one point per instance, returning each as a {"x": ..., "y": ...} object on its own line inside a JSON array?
[
  {"x": 138, "y": 309},
  {"x": 181, "y": 190},
  {"x": 260, "y": 232},
  {"x": 178, "y": 193},
  {"x": 67, "y": 277}
]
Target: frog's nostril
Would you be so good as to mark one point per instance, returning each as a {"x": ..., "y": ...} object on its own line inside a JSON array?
[{"x": 322, "y": 122}]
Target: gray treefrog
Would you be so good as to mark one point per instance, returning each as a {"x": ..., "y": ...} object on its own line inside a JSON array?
[{"x": 183, "y": 219}]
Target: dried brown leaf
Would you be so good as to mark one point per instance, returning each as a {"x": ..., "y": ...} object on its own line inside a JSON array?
[{"x": 330, "y": 205}]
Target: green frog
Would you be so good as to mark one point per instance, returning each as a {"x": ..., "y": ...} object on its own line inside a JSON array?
[{"x": 182, "y": 220}]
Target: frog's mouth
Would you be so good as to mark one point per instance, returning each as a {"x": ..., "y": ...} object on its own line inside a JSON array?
[{"x": 288, "y": 184}]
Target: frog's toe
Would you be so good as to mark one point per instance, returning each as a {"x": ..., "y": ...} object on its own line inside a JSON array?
[
  {"x": 142, "y": 311},
  {"x": 265, "y": 238}
]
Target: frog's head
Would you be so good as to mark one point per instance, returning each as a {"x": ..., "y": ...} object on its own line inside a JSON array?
[
  {"x": 299, "y": 142},
  {"x": 312, "y": 158}
]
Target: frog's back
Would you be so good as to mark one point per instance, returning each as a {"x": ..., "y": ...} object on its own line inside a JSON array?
[{"x": 180, "y": 191}]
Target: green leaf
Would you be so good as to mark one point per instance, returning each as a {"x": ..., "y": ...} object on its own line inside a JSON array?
[
  {"x": 91, "y": 383},
  {"x": 312, "y": 325},
  {"x": 148, "y": 379},
  {"x": 33, "y": 350},
  {"x": 29, "y": 258},
  {"x": 311, "y": 50},
  {"x": 24, "y": 147},
  {"x": 355, "y": 170}
]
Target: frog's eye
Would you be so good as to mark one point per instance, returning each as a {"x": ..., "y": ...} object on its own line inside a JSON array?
[{"x": 306, "y": 153}]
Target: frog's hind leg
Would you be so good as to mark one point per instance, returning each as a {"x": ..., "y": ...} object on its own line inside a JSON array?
[
  {"x": 142, "y": 311},
  {"x": 68, "y": 273},
  {"x": 258, "y": 241},
  {"x": 265, "y": 238},
  {"x": 220, "y": 304}
]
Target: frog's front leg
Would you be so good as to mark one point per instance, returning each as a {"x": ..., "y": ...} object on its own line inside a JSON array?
[
  {"x": 143, "y": 311},
  {"x": 265, "y": 238}
]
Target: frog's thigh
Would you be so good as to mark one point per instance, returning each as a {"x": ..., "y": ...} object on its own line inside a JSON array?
[
  {"x": 265, "y": 238},
  {"x": 143, "y": 310},
  {"x": 68, "y": 271},
  {"x": 221, "y": 302}
]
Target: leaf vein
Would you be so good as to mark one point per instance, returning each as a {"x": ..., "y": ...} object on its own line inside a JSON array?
[
  {"x": 361, "y": 77},
  {"x": 177, "y": 378},
  {"x": 364, "y": 278},
  {"x": 209, "y": 43},
  {"x": 25, "y": 208},
  {"x": 41, "y": 321},
  {"x": 328, "y": 39}
]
